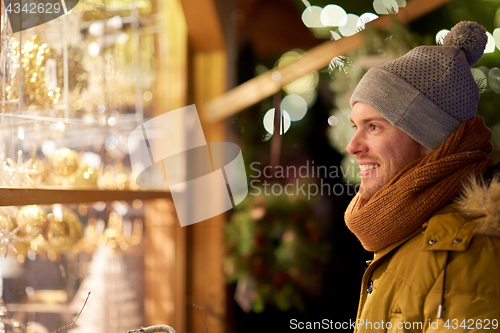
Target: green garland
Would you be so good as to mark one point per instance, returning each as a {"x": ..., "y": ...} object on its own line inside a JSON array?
[{"x": 276, "y": 246}]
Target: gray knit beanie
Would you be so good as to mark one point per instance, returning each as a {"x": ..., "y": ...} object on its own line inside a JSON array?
[{"x": 427, "y": 92}]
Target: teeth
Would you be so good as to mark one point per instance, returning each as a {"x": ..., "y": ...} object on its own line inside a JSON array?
[{"x": 367, "y": 167}]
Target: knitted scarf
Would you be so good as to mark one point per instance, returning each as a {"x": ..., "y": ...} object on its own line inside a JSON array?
[{"x": 421, "y": 188}]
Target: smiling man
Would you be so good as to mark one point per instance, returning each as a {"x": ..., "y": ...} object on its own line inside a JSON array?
[
  {"x": 381, "y": 149},
  {"x": 429, "y": 196}
]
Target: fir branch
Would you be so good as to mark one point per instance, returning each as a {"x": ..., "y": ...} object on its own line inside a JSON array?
[{"x": 154, "y": 329}]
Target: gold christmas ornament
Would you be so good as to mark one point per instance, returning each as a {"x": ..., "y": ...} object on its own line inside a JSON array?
[
  {"x": 64, "y": 230},
  {"x": 32, "y": 221},
  {"x": 41, "y": 77},
  {"x": 64, "y": 162},
  {"x": 85, "y": 175}
]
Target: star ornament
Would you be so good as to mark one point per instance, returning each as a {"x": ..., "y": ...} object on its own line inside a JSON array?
[{"x": 8, "y": 238}]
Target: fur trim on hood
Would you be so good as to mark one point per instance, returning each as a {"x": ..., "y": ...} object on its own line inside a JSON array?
[{"x": 481, "y": 202}]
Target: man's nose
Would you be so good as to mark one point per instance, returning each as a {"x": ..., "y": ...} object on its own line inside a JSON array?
[{"x": 357, "y": 144}]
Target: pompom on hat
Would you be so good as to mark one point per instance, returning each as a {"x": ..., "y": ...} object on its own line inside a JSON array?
[{"x": 430, "y": 90}]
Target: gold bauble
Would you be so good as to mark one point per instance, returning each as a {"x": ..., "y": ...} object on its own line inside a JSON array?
[
  {"x": 85, "y": 175},
  {"x": 32, "y": 221},
  {"x": 63, "y": 231},
  {"x": 64, "y": 162},
  {"x": 36, "y": 92}
]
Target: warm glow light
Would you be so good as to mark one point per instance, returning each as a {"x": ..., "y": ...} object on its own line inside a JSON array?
[
  {"x": 20, "y": 133},
  {"x": 94, "y": 49},
  {"x": 302, "y": 85},
  {"x": 111, "y": 121},
  {"x": 96, "y": 29}
]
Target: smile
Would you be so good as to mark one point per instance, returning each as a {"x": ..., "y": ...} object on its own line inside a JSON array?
[{"x": 366, "y": 167}]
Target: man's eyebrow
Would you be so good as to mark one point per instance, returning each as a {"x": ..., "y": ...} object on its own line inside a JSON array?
[{"x": 367, "y": 120}]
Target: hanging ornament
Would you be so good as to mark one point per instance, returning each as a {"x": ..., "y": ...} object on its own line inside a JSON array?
[
  {"x": 41, "y": 80},
  {"x": 64, "y": 162},
  {"x": 64, "y": 229},
  {"x": 85, "y": 175},
  {"x": 32, "y": 221}
]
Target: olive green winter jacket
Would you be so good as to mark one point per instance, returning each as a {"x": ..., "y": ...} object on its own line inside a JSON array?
[{"x": 402, "y": 288}]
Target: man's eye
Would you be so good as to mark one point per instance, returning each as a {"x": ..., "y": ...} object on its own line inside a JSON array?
[{"x": 373, "y": 127}]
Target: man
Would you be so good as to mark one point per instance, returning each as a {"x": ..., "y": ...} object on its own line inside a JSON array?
[{"x": 436, "y": 266}]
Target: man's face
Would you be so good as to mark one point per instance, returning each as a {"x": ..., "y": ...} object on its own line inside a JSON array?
[{"x": 381, "y": 149}]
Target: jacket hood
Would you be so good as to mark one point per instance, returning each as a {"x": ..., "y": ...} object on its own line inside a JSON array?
[{"x": 480, "y": 200}]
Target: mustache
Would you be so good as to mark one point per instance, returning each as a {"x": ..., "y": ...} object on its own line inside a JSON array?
[{"x": 367, "y": 158}]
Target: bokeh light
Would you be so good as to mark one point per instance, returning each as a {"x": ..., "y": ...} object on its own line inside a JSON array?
[
  {"x": 440, "y": 36},
  {"x": 269, "y": 121},
  {"x": 96, "y": 29},
  {"x": 490, "y": 45},
  {"x": 364, "y": 19},
  {"x": 496, "y": 37},
  {"x": 311, "y": 17},
  {"x": 295, "y": 106},
  {"x": 333, "y": 16},
  {"x": 111, "y": 121},
  {"x": 48, "y": 148},
  {"x": 479, "y": 76},
  {"x": 351, "y": 25},
  {"x": 385, "y": 6},
  {"x": 302, "y": 85},
  {"x": 111, "y": 143},
  {"x": 494, "y": 79},
  {"x": 333, "y": 121},
  {"x": 94, "y": 49},
  {"x": 335, "y": 36},
  {"x": 486, "y": 72}
]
